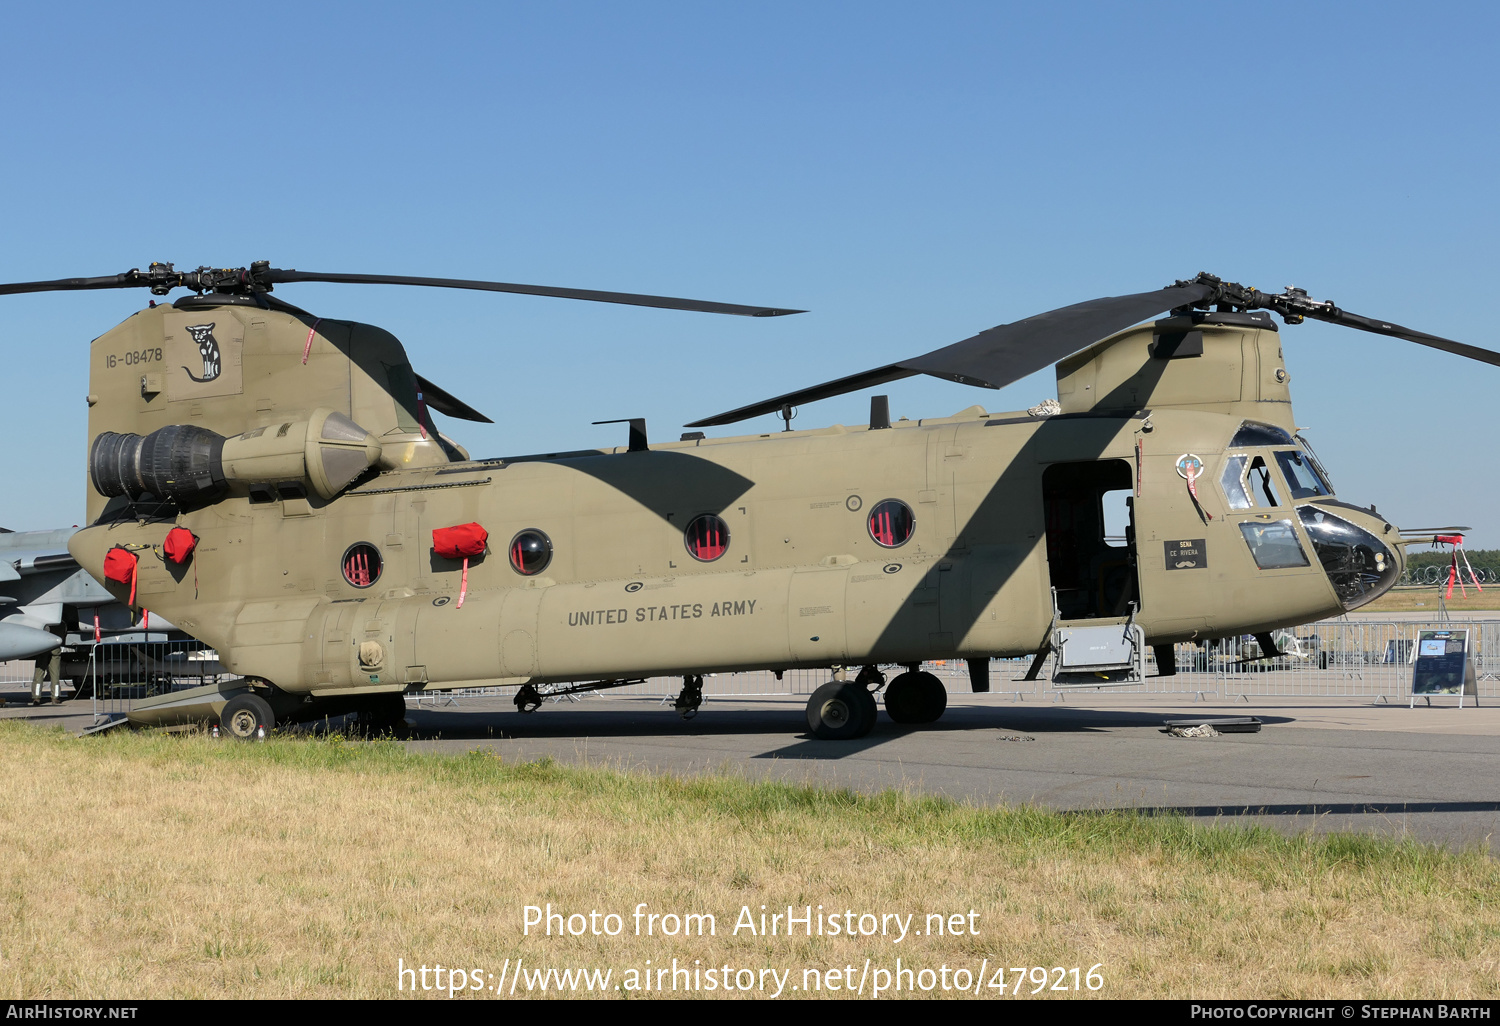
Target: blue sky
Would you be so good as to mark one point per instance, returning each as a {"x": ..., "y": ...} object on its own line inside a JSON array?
[{"x": 908, "y": 173}]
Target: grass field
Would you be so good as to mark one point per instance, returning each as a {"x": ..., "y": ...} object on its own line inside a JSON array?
[
  {"x": 164, "y": 866},
  {"x": 1425, "y": 599}
]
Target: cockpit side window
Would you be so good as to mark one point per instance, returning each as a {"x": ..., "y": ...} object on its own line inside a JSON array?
[
  {"x": 1301, "y": 474},
  {"x": 1262, "y": 485},
  {"x": 1247, "y": 482},
  {"x": 1233, "y": 483}
]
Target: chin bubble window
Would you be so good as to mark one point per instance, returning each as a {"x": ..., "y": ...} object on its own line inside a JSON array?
[
  {"x": 891, "y": 523},
  {"x": 707, "y": 538},
  {"x": 530, "y": 552},
  {"x": 361, "y": 564}
]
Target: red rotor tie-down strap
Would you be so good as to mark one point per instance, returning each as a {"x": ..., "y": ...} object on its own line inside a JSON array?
[
  {"x": 1473, "y": 577},
  {"x": 1455, "y": 574},
  {"x": 307, "y": 349}
]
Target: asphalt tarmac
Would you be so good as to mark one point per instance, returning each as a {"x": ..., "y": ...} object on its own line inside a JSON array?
[{"x": 1318, "y": 764}]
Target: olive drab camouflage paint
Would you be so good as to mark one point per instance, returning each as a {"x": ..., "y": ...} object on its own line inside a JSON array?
[{"x": 314, "y": 489}]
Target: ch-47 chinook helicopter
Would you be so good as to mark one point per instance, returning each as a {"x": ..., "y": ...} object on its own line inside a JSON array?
[{"x": 271, "y": 481}]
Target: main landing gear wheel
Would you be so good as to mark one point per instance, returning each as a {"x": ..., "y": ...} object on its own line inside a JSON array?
[
  {"x": 385, "y": 714},
  {"x": 690, "y": 698},
  {"x": 841, "y": 710},
  {"x": 915, "y": 697},
  {"x": 245, "y": 715}
]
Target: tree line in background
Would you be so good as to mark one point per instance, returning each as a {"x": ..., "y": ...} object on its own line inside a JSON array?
[{"x": 1431, "y": 567}]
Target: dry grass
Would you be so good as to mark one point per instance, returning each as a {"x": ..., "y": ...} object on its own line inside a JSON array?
[
  {"x": 156, "y": 866},
  {"x": 1425, "y": 600}
]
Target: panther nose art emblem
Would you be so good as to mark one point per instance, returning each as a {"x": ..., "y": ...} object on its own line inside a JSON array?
[{"x": 208, "y": 348}]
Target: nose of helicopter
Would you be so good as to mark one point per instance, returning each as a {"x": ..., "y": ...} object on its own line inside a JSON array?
[{"x": 1358, "y": 549}]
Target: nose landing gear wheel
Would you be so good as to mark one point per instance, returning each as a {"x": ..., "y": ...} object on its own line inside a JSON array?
[
  {"x": 915, "y": 698},
  {"x": 243, "y": 715},
  {"x": 841, "y": 710}
]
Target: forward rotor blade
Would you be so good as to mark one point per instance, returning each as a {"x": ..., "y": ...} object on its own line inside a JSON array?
[
  {"x": 446, "y": 403},
  {"x": 1003, "y": 354},
  {"x": 1447, "y": 345},
  {"x": 1007, "y": 353},
  {"x": 277, "y": 276}
]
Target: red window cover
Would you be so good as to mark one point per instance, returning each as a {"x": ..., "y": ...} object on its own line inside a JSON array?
[
  {"x": 460, "y": 542},
  {"x": 179, "y": 544}
]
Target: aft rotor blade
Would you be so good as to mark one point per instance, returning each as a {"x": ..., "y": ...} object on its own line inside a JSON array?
[
  {"x": 261, "y": 277},
  {"x": 108, "y": 281},
  {"x": 1003, "y": 354},
  {"x": 447, "y": 403},
  {"x": 277, "y": 276},
  {"x": 1447, "y": 345}
]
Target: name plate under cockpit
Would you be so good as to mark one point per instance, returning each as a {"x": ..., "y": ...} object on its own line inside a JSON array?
[{"x": 1190, "y": 554}]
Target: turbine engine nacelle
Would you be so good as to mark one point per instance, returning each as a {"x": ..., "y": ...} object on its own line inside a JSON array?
[{"x": 186, "y": 463}]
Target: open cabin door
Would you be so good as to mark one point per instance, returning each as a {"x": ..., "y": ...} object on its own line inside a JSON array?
[{"x": 1090, "y": 518}]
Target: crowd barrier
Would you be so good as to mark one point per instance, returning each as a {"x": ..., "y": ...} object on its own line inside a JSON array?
[
  {"x": 1356, "y": 659},
  {"x": 1362, "y": 659}
]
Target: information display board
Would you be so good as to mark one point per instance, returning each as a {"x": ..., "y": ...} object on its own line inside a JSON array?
[{"x": 1443, "y": 666}]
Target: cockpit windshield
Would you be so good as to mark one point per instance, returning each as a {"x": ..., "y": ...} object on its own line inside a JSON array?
[
  {"x": 1312, "y": 455},
  {"x": 1301, "y": 474}
]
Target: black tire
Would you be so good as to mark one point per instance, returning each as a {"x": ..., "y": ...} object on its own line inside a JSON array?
[
  {"x": 840, "y": 710},
  {"x": 915, "y": 698},
  {"x": 903, "y": 699},
  {"x": 244, "y": 715},
  {"x": 384, "y": 714},
  {"x": 871, "y": 709}
]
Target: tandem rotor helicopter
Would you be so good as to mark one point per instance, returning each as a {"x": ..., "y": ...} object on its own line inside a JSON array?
[{"x": 272, "y": 482}]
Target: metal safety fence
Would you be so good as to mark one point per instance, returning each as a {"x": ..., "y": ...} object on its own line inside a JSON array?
[
  {"x": 119, "y": 672},
  {"x": 16, "y": 671},
  {"x": 1357, "y": 659}
]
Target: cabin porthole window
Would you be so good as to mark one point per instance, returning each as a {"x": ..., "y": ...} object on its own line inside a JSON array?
[
  {"x": 891, "y": 523},
  {"x": 707, "y": 538},
  {"x": 530, "y": 552},
  {"x": 361, "y": 564}
]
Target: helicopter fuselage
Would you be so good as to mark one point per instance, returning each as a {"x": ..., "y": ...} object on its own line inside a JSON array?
[{"x": 959, "y": 537}]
